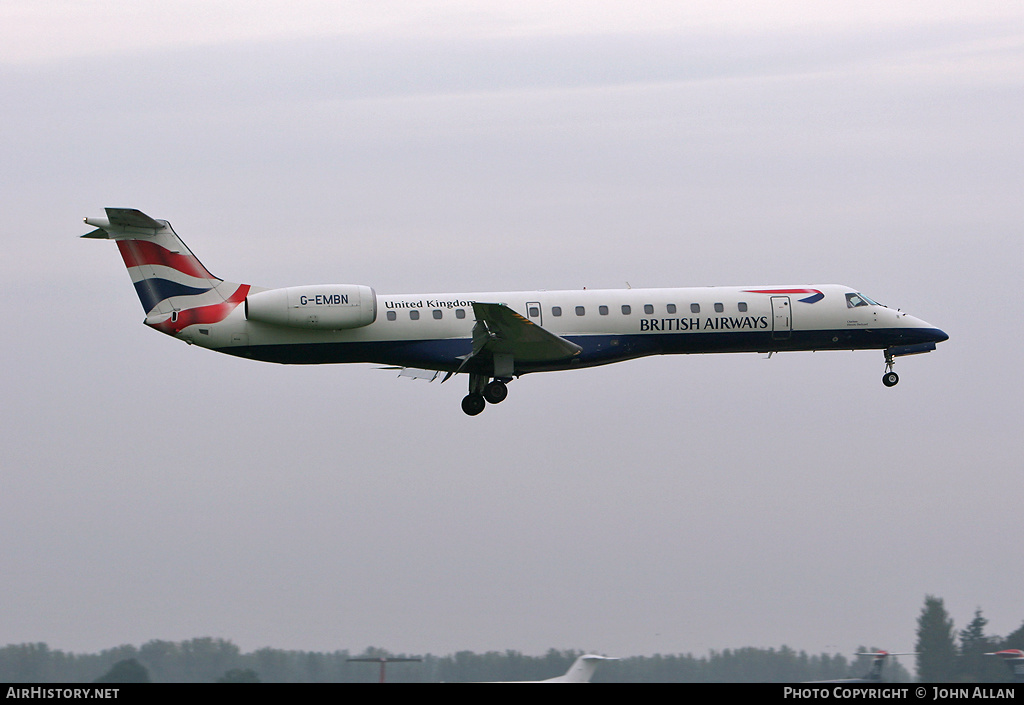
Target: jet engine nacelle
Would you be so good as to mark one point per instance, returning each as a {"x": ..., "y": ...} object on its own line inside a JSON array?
[{"x": 328, "y": 307}]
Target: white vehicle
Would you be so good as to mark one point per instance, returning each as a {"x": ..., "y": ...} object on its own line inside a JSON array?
[{"x": 493, "y": 337}]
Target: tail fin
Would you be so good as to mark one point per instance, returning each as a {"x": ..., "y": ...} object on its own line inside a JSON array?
[
  {"x": 878, "y": 662},
  {"x": 581, "y": 671},
  {"x": 175, "y": 289}
]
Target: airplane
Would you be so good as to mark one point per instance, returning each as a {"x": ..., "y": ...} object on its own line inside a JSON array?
[
  {"x": 874, "y": 674},
  {"x": 492, "y": 337},
  {"x": 1014, "y": 660},
  {"x": 581, "y": 671}
]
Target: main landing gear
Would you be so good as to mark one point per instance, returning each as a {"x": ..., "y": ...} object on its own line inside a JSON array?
[
  {"x": 495, "y": 392},
  {"x": 473, "y": 404},
  {"x": 482, "y": 393},
  {"x": 890, "y": 378}
]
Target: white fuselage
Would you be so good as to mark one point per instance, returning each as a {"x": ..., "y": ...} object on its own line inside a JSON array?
[{"x": 432, "y": 331}]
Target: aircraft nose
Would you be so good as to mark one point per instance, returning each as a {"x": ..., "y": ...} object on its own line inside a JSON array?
[
  {"x": 931, "y": 334},
  {"x": 926, "y": 332}
]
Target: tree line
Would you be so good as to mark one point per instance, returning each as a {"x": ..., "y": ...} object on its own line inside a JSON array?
[
  {"x": 943, "y": 655},
  {"x": 208, "y": 660}
]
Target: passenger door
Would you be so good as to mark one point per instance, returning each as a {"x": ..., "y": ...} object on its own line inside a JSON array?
[{"x": 782, "y": 319}]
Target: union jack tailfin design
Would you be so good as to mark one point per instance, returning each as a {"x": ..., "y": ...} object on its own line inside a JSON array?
[{"x": 175, "y": 289}]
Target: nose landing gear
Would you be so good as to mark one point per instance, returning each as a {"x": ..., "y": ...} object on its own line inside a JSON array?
[{"x": 890, "y": 378}]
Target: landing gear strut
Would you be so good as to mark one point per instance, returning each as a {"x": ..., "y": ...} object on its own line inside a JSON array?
[{"x": 890, "y": 378}]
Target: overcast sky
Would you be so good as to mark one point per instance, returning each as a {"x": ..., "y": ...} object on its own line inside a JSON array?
[{"x": 155, "y": 491}]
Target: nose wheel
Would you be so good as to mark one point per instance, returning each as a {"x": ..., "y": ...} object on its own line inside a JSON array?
[{"x": 890, "y": 378}]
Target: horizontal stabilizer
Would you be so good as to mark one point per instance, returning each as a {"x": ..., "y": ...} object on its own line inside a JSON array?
[
  {"x": 131, "y": 218},
  {"x": 121, "y": 220}
]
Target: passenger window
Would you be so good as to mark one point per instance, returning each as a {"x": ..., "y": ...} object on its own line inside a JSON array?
[
  {"x": 556, "y": 310},
  {"x": 694, "y": 308},
  {"x": 460, "y": 313},
  {"x": 437, "y": 314},
  {"x": 626, "y": 309},
  {"x": 742, "y": 306},
  {"x": 719, "y": 308},
  {"x": 580, "y": 311},
  {"x": 671, "y": 308},
  {"x": 392, "y": 315},
  {"x": 534, "y": 312},
  {"x": 414, "y": 315},
  {"x": 648, "y": 308},
  {"x": 603, "y": 310}
]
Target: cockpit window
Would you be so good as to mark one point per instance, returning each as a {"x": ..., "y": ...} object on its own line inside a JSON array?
[{"x": 858, "y": 299}]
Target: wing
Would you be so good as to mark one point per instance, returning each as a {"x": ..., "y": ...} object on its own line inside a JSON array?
[{"x": 501, "y": 331}]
